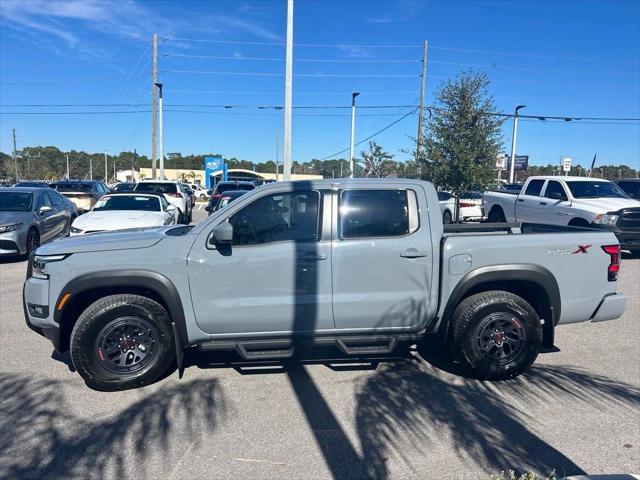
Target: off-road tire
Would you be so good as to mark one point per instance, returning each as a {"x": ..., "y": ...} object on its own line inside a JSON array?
[
  {"x": 101, "y": 315},
  {"x": 468, "y": 331}
]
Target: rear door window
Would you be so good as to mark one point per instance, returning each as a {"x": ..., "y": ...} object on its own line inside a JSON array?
[
  {"x": 377, "y": 213},
  {"x": 534, "y": 188}
]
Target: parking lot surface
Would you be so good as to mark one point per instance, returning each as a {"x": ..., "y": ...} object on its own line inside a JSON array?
[{"x": 576, "y": 411}]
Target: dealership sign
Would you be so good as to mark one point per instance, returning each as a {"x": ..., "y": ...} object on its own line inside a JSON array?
[
  {"x": 214, "y": 166},
  {"x": 522, "y": 163}
]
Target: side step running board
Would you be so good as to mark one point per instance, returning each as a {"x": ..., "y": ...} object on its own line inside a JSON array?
[{"x": 280, "y": 348}]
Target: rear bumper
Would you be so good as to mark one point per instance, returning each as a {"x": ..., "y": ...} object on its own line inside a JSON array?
[{"x": 610, "y": 308}]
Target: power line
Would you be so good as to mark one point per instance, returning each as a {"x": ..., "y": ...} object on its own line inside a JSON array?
[
  {"x": 452, "y": 49},
  {"x": 386, "y": 127},
  {"x": 301, "y": 60},
  {"x": 203, "y": 105},
  {"x": 266, "y": 74}
]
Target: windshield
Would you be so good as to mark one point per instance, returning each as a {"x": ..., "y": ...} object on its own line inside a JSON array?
[
  {"x": 596, "y": 190},
  {"x": 15, "y": 201},
  {"x": 224, "y": 187},
  {"x": 127, "y": 202},
  {"x": 123, "y": 187},
  {"x": 74, "y": 187},
  {"x": 156, "y": 187}
]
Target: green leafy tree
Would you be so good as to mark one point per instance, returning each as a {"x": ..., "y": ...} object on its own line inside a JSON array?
[
  {"x": 462, "y": 139},
  {"x": 377, "y": 163}
]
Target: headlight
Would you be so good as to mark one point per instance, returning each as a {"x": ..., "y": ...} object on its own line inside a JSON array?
[
  {"x": 40, "y": 262},
  {"x": 10, "y": 228},
  {"x": 605, "y": 219},
  {"x": 75, "y": 230}
]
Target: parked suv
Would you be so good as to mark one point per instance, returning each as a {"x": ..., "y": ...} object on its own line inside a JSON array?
[
  {"x": 222, "y": 187},
  {"x": 359, "y": 265},
  {"x": 173, "y": 192}
]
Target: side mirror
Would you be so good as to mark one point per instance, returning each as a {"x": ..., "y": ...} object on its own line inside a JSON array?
[
  {"x": 208, "y": 208},
  {"x": 557, "y": 196},
  {"x": 44, "y": 209},
  {"x": 170, "y": 208},
  {"x": 222, "y": 233}
]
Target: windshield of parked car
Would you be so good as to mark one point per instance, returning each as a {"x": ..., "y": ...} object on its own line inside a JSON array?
[
  {"x": 156, "y": 187},
  {"x": 124, "y": 187},
  {"x": 223, "y": 187},
  {"x": 127, "y": 202},
  {"x": 596, "y": 190},
  {"x": 74, "y": 187},
  {"x": 15, "y": 201}
]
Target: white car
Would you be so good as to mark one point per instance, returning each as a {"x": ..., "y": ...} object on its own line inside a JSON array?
[
  {"x": 447, "y": 206},
  {"x": 469, "y": 207},
  {"x": 121, "y": 211},
  {"x": 172, "y": 191},
  {"x": 200, "y": 191}
]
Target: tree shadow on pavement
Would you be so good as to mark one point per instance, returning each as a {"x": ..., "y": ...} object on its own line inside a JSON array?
[
  {"x": 41, "y": 438},
  {"x": 483, "y": 421}
]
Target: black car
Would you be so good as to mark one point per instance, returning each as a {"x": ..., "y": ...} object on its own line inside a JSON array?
[
  {"x": 631, "y": 186},
  {"x": 84, "y": 193},
  {"x": 222, "y": 187},
  {"x": 123, "y": 187},
  {"x": 34, "y": 184},
  {"x": 224, "y": 199}
]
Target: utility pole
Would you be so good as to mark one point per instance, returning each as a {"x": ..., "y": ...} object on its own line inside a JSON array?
[
  {"x": 513, "y": 144},
  {"x": 161, "y": 131},
  {"x": 154, "y": 107},
  {"x": 67, "y": 166},
  {"x": 277, "y": 156},
  {"x": 353, "y": 132},
  {"x": 133, "y": 164},
  {"x": 15, "y": 154},
  {"x": 90, "y": 168},
  {"x": 286, "y": 168},
  {"x": 105, "y": 168},
  {"x": 422, "y": 88},
  {"x": 114, "y": 170}
]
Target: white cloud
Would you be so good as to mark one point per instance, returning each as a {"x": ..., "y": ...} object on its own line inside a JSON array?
[
  {"x": 354, "y": 52},
  {"x": 122, "y": 18}
]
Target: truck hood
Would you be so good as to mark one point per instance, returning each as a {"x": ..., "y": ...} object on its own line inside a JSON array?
[
  {"x": 118, "y": 220},
  {"x": 97, "y": 242},
  {"x": 604, "y": 205}
]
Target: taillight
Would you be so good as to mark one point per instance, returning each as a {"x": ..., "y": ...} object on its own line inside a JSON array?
[
  {"x": 178, "y": 195},
  {"x": 466, "y": 204},
  {"x": 614, "y": 264}
]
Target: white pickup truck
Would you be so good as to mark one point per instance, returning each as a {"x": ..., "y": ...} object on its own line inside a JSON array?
[{"x": 573, "y": 201}]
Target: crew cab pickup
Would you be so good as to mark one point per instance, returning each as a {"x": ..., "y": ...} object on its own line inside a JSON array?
[
  {"x": 361, "y": 266},
  {"x": 573, "y": 201}
]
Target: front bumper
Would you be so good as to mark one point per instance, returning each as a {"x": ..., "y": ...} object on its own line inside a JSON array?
[
  {"x": 14, "y": 243},
  {"x": 36, "y": 292},
  {"x": 610, "y": 308}
]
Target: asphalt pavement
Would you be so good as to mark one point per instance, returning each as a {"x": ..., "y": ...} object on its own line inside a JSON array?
[{"x": 577, "y": 411}]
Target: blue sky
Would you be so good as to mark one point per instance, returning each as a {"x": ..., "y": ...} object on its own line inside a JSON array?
[{"x": 558, "y": 58}]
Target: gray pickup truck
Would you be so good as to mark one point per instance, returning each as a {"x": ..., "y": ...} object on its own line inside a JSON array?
[{"x": 363, "y": 266}]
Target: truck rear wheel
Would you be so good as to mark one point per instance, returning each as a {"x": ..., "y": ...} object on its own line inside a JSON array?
[
  {"x": 121, "y": 342},
  {"x": 496, "y": 215},
  {"x": 496, "y": 335}
]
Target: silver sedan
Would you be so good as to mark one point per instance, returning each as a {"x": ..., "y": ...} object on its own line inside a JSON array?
[{"x": 31, "y": 216}]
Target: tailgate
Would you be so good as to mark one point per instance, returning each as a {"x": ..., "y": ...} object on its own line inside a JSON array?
[{"x": 83, "y": 201}]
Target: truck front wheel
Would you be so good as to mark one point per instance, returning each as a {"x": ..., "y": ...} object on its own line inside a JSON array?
[
  {"x": 495, "y": 334},
  {"x": 122, "y": 341}
]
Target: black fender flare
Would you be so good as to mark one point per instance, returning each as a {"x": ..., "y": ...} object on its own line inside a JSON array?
[
  {"x": 153, "y": 281},
  {"x": 527, "y": 272}
]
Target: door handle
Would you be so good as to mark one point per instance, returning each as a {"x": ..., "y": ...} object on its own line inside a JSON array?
[
  {"x": 543, "y": 203},
  {"x": 413, "y": 253},
  {"x": 521, "y": 199},
  {"x": 312, "y": 257}
]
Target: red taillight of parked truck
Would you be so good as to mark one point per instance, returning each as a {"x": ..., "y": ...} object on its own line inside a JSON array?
[
  {"x": 174, "y": 194},
  {"x": 614, "y": 263}
]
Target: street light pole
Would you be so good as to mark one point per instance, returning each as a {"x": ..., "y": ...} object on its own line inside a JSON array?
[
  {"x": 160, "y": 130},
  {"x": 288, "y": 94},
  {"x": 513, "y": 144},
  {"x": 353, "y": 132}
]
